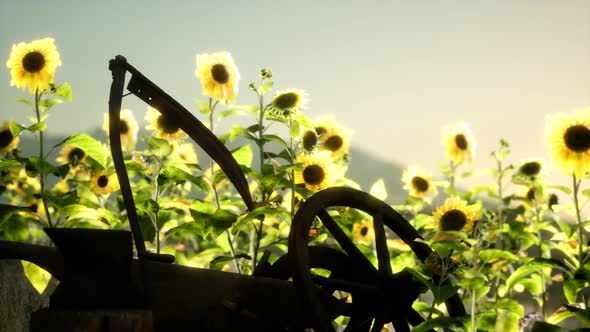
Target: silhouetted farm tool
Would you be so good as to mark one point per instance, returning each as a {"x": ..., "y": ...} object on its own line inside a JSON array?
[{"x": 97, "y": 270}]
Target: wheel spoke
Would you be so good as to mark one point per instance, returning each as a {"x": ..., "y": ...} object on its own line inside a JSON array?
[
  {"x": 345, "y": 241},
  {"x": 381, "y": 246}
]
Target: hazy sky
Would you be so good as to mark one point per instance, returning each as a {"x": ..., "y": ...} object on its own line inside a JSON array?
[{"x": 395, "y": 72}]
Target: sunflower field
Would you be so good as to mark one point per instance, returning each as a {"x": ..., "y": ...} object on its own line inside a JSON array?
[{"x": 515, "y": 250}]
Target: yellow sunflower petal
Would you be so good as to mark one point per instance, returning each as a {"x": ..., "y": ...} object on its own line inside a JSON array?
[
  {"x": 219, "y": 76},
  {"x": 33, "y": 64}
]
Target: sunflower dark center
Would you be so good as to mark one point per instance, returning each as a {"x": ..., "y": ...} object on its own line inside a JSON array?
[
  {"x": 75, "y": 155},
  {"x": 33, "y": 62},
  {"x": 420, "y": 184},
  {"x": 102, "y": 181},
  {"x": 5, "y": 138},
  {"x": 364, "y": 230},
  {"x": 553, "y": 200},
  {"x": 123, "y": 127},
  {"x": 577, "y": 138},
  {"x": 167, "y": 125},
  {"x": 310, "y": 140},
  {"x": 530, "y": 194},
  {"x": 461, "y": 142},
  {"x": 220, "y": 73},
  {"x": 286, "y": 101},
  {"x": 334, "y": 143},
  {"x": 531, "y": 168},
  {"x": 320, "y": 130},
  {"x": 453, "y": 220},
  {"x": 313, "y": 174}
]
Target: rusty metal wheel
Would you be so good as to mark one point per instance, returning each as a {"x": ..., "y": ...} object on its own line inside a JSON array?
[{"x": 378, "y": 295}]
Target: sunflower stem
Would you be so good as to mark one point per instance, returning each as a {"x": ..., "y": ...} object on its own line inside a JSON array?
[
  {"x": 576, "y": 184},
  {"x": 260, "y": 144},
  {"x": 292, "y": 172},
  {"x": 501, "y": 205},
  {"x": 453, "y": 168},
  {"x": 41, "y": 156},
  {"x": 212, "y": 164}
]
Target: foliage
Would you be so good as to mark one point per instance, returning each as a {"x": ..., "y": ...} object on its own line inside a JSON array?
[{"x": 496, "y": 243}]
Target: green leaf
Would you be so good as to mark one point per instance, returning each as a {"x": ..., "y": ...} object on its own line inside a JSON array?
[
  {"x": 563, "y": 189},
  {"x": 511, "y": 306},
  {"x": 264, "y": 88},
  {"x": 7, "y": 211},
  {"x": 6, "y": 164},
  {"x": 533, "y": 266},
  {"x": 214, "y": 223},
  {"x": 15, "y": 128},
  {"x": 36, "y": 165},
  {"x": 243, "y": 155},
  {"x": 443, "y": 293},
  {"x": 582, "y": 314},
  {"x": 93, "y": 148},
  {"x": 257, "y": 212},
  {"x": 46, "y": 104},
  {"x": 226, "y": 113},
  {"x": 247, "y": 108},
  {"x": 159, "y": 146},
  {"x": 276, "y": 139},
  {"x": 203, "y": 107},
  {"x": 40, "y": 126},
  {"x": 534, "y": 284},
  {"x": 507, "y": 322},
  {"x": 541, "y": 326},
  {"x": 448, "y": 323},
  {"x": 38, "y": 277},
  {"x": 492, "y": 255},
  {"x": 24, "y": 101},
  {"x": 378, "y": 189},
  {"x": 173, "y": 174},
  {"x": 571, "y": 288},
  {"x": 62, "y": 171},
  {"x": 295, "y": 129},
  {"x": 64, "y": 91},
  {"x": 219, "y": 262},
  {"x": 560, "y": 314}
]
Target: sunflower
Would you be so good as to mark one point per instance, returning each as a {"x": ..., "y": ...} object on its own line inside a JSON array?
[
  {"x": 363, "y": 231},
  {"x": 531, "y": 168},
  {"x": 317, "y": 171},
  {"x": 8, "y": 142},
  {"x": 165, "y": 126},
  {"x": 62, "y": 186},
  {"x": 103, "y": 184},
  {"x": 552, "y": 200},
  {"x": 333, "y": 137},
  {"x": 309, "y": 140},
  {"x": 186, "y": 153},
  {"x": 219, "y": 76},
  {"x": 568, "y": 136},
  {"x": 127, "y": 126},
  {"x": 23, "y": 184},
  {"x": 71, "y": 155},
  {"x": 418, "y": 182},
  {"x": 286, "y": 102},
  {"x": 456, "y": 215},
  {"x": 33, "y": 64},
  {"x": 459, "y": 143}
]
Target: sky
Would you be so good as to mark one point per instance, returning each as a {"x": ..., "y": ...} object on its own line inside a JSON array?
[{"x": 394, "y": 72}]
